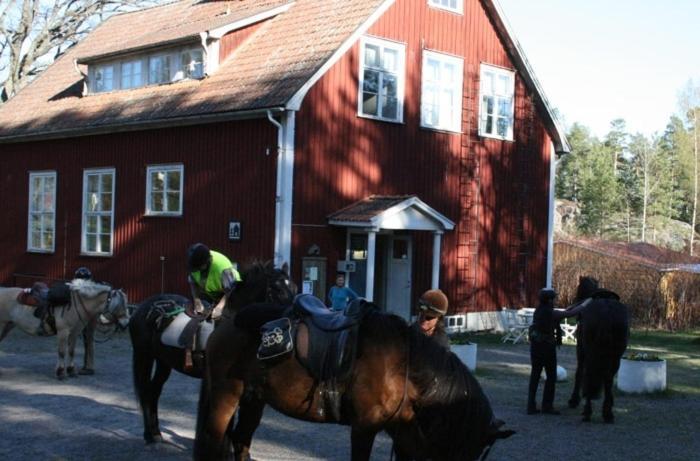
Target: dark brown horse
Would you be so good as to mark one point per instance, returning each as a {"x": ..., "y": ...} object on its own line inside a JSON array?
[
  {"x": 602, "y": 335},
  {"x": 261, "y": 282},
  {"x": 402, "y": 382}
]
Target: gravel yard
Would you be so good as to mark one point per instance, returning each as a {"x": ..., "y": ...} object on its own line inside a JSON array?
[{"x": 96, "y": 417}]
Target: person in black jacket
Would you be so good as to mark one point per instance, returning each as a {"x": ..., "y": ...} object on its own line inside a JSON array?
[{"x": 545, "y": 335}]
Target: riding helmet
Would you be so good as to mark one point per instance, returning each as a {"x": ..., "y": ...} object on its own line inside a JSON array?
[
  {"x": 434, "y": 301},
  {"x": 547, "y": 294},
  {"x": 197, "y": 257},
  {"x": 83, "y": 273}
]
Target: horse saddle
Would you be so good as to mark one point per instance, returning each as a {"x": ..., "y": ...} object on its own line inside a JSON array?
[
  {"x": 40, "y": 295},
  {"x": 326, "y": 344},
  {"x": 185, "y": 332}
]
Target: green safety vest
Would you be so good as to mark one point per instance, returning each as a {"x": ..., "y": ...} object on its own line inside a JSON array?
[{"x": 212, "y": 285}]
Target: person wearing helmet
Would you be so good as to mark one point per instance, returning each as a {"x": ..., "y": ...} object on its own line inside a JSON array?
[
  {"x": 82, "y": 273},
  {"x": 545, "y": 335},
  {"x": 432, "y": 307},
  {"x": 212, "y": 277}
]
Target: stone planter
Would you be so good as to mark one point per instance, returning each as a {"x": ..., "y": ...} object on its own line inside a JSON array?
[
  {"x": 466, "y": 353},
  {"x": 640, "y": 376}
]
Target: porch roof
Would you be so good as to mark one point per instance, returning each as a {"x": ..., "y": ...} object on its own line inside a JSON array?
[{"x": 397, "y": 212}]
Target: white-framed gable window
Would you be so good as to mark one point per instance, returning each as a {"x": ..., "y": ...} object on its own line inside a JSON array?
[
  {"x": 382, "y": 78},
  {"x": 441, "y": 95},
  {"x": 164, "y": 185},
  {"x": 104, "y": 78},
  {"x": 98, "y": 212},
  {"x": 456, "y": 6},
  {"x": 132, "y": 74},
  {"x": 41, "y": 233},
  {"x": 497, "y": 102}
]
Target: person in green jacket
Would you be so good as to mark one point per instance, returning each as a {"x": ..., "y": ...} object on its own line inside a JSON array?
[{"x": 212, "y": 277}]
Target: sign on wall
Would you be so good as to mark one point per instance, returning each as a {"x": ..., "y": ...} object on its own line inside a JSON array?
[{"x": 234, "y": 230}]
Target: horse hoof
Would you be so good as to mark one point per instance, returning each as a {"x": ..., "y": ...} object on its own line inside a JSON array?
[
  {"x": 60, "y": 373},
  {"x": 86, "y": 371},
  {"x": 71, "y": 372}
]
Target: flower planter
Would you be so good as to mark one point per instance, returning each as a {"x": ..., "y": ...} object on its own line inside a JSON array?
[
  {"x": 641, "y": 376},
  {"x": 467, "y": 354}
]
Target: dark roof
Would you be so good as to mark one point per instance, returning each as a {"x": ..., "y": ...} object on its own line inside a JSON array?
[
  {"x": 368, "y": 208},
  {"x": 643, "y": 253}
]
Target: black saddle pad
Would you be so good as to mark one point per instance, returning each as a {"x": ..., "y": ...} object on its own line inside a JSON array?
[
  {"x": 59, "y": 294},
  {"x": 252, "y": 317}
]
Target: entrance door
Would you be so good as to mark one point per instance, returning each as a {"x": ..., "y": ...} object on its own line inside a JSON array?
[{"x": 398, "y": 276}]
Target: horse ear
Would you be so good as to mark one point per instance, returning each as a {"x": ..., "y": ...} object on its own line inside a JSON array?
[{"x": 285, "y": 268}]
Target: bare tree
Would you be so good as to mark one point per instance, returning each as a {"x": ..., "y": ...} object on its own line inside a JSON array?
[{"x": 33, "y": 33}]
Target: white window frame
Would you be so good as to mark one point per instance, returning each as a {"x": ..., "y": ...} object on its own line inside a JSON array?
[
  {"x": 454, "y": 124},
  {"x": 43, "y": 176},
  {"x": 443, "y": 5},
  {"x": 497, "y": 72},
  {"x": 142, "y": 74},
  {"x": 115, "y": 76},
  {"x": 83, "y": 233},
  {"x": 149, "y": 192},
  {"x": 400, "y": 48}
]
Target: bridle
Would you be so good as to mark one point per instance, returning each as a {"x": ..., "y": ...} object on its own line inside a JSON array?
[{"x": 75, "y": 295}]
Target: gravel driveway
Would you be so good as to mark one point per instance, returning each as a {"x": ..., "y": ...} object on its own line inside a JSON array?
[{"x": 96, "y": 417}]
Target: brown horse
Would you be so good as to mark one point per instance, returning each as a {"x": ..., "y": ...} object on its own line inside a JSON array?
[
  {"x": 260, "y": 282},
  {"x": 402, "y": 382}
]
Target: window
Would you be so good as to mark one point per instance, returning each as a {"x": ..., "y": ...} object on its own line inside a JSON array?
[
  {"x": 131, "y": 74},
  {"x": 441, "y": 99},
  {"x": 496, "y": 113},
  {"x": 164, "y": 190},
  {"x": 98, "y": 212},
  {"x": 450, "y": 5},
  {"x": 159, "y": 67},
  {"x": 192, "y": 63},
  {"x": 42, "y": 212},
  {"x": 104, "y": 78},
  {"x": 381, "y": 79}
]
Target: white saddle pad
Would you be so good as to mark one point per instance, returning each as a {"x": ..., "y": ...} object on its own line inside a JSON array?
[{"x": 172, "y": 333}]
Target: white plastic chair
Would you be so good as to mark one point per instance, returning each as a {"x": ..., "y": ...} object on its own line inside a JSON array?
[
  {"x": 569, "y": 331},
  {"x": 516, "y": 328}
]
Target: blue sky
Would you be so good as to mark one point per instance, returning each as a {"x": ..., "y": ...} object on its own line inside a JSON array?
[{"x": 598, "y": 60}]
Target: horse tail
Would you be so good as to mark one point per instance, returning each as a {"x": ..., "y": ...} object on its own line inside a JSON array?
[
  {"x": 142, "y": 358},
  {"x": 599, "y": 342}
]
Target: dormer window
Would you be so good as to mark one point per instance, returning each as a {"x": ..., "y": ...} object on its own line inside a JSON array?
[
  {"x": 104, "y": 78},
  {"x": 192, "y": 63},
  {"x": 159, "y": 69},
  {"x": 132, "y": 76},
  {"x": 149, "y": 69}
]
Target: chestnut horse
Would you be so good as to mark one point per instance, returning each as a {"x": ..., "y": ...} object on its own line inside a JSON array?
[
  {"x": 402, "y": 382},
  {"x": 260, "y": 282},
  {"x": 602, "y": 335}
]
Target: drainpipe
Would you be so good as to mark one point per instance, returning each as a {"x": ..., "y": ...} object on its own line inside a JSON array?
[
  {"x": 550, "y": 219},
  {"x": 278, "y": 191},
  {"x": 284, "y": 187},
  {"x": 435, "y": 279}
]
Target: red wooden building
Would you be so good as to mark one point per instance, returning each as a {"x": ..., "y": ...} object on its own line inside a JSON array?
[{"x": 405, "y": 142}]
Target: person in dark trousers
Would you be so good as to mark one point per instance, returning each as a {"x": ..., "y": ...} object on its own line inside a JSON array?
[{"x": 545, "y": 335}]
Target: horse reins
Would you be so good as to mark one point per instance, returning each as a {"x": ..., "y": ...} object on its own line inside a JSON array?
[{"x": 85, "y": 310}]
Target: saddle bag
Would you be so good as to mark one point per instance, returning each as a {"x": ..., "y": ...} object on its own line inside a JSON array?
[{"x": 276, "y": 339}]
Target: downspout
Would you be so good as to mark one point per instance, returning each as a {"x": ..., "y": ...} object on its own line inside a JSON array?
[
  {"x": 277, "y": 258},
  {"x": 289, "y": 123},
  {"x": 550, "y": 218}
]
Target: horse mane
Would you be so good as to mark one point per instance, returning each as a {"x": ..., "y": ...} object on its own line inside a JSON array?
[
  {"x": 88, "y": 288},
  {"x": 255, "y": 270},
  {"x": 452, "y": 411}
]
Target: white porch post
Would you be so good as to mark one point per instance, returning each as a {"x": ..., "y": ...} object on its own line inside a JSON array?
[
  {"x": 371, "y": 250},
  {"x": 437, "y": 237},
  {"x": 550, "y": 216}
]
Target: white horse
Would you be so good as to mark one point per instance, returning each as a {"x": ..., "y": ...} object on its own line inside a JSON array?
[{"x": 89, "y": 300}]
